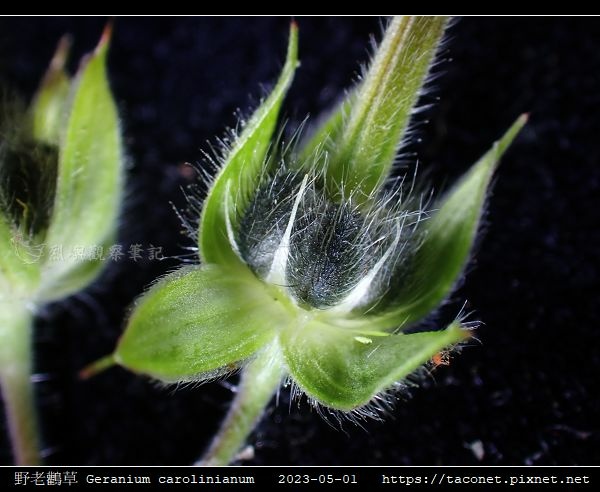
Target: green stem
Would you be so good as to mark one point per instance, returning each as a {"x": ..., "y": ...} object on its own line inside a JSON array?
[
  {"x": 16, "y": 326},
  {"x": 259, "y": 382}
]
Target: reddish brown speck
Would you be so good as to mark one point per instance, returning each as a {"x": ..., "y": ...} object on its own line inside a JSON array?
[{"x": 106, "y": 35}]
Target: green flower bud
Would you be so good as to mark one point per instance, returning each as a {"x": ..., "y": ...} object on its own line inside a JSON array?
[
  {"x": 61, "y": 180},
  {"x": 307, "y": 259}
]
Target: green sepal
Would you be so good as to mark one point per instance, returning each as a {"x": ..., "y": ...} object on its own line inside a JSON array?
[
  {"x": 361, "y": 153},
  {"x": 234, "y": 184},
  {"x": 90, "y": 174},
  {"x": 197, "y": 323},
  {"x": 446, "y": 241},
  {"x": 345, "y": 372}
]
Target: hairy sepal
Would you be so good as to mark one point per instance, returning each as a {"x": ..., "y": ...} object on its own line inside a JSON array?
[
  {"x": 90, "y": 181},
  {"x": 358, "y": 144},
  {"x": 345, "y": 371},
  {"x": 236, "y": 181},
  {"x": 198, "y": 322},
  {"x": 445, "y": 241}
]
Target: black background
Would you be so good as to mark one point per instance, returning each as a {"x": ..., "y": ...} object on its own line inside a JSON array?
[{"x": 527, "y": 393}]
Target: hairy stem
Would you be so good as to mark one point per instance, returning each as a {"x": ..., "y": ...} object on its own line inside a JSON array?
[
  {"x": 259, "y": 381},
  {"x": 16, "y": 326}
]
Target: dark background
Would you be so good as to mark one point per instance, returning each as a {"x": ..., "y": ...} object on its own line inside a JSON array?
[{"x": 526, "y": 394}]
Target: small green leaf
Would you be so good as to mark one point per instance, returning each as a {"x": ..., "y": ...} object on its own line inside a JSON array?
[
  {"x": 447, "y": 238},
  {"x": 235, "y": 183},
  {"x": 197, "y": 322},
  {"x": 345, "y": 373},
  {"x": 90, "y": 171},
  {"x": 362, "y": 155},
  {"x": 48, "y": 110}
]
